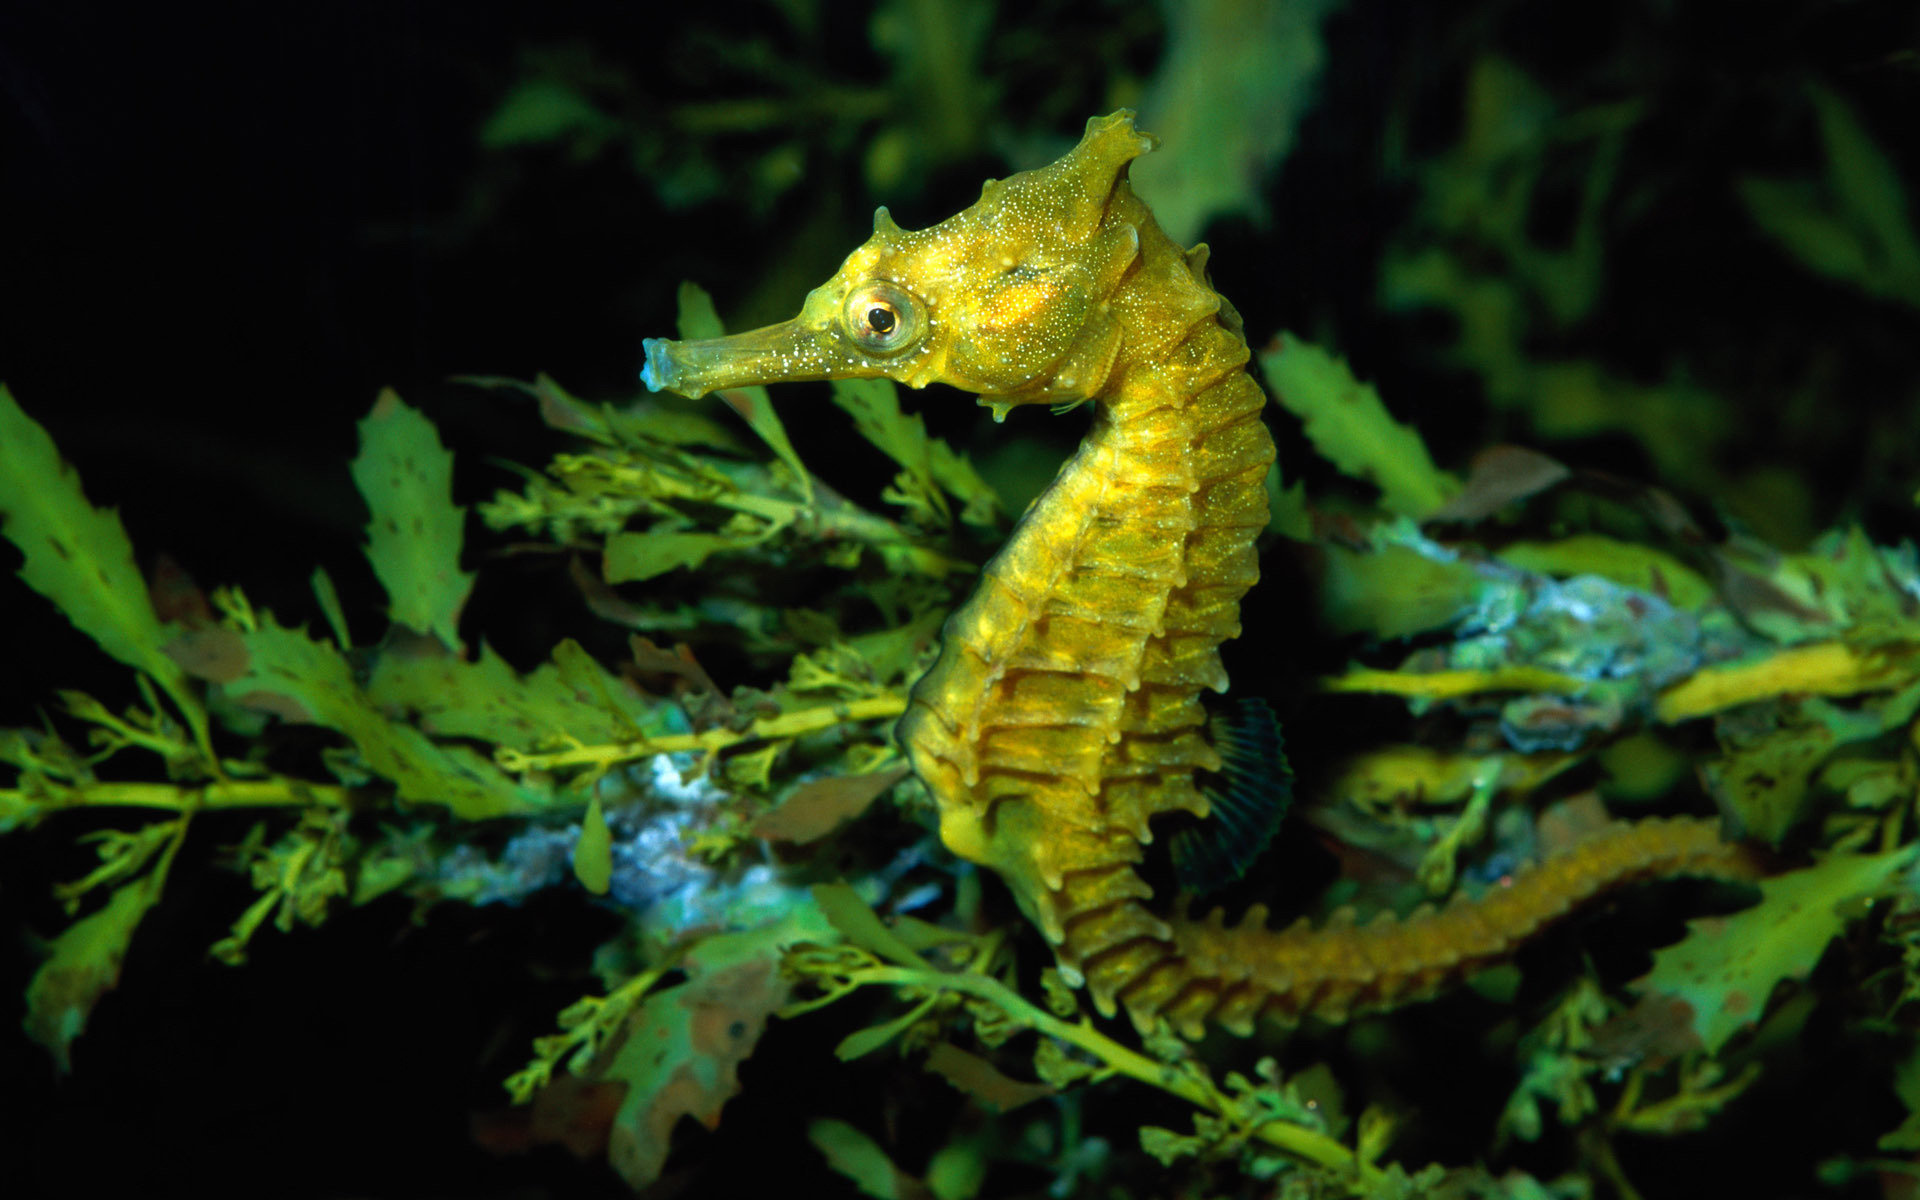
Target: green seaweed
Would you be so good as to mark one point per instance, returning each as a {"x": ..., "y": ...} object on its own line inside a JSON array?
[
  {"x": 447, "y": 737},
  {"x": 414, "y": 535},
  {"x": 432, "y": 728},
  {"x": 1854, "y": 224},
  {"x": 700, "y": 746},
  {"x": 1729, "y": 966},
  {"x": 1350, "y": 426}
]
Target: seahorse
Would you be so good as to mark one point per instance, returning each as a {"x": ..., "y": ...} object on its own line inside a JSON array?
[{"x": 1063, "y": 712}]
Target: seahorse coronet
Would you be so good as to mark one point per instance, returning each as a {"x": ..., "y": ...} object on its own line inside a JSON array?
[{"x": 1060, "y": 716}]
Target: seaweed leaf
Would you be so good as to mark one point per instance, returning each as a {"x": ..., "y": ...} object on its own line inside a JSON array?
[
  {"x": 820, "y": 806},
  {"x": 1856, "y": 229},
  {"x": 82, "y": 966},
  {"x": 930, "y": 466},
  {"x": 1235, "y": 82},
  {"x": 77, "y": 556},
  {"x": 982, "y": 1080},
  {"x": 863, "y": 1042},
  {"x": 487, "y": 700},
  {"x": 632, "y": 557},
  {"x": 1628, "y": 564},
  {"x": 1350, "y": 427},
  {"x": 593, "y": 852},
  {"x": 413, "y": 538},
  {"x": 1763, "y": 782},
  {"x": 1395, "y": 591},
  {"x": 543, "y": 109},
  {"x": 1820, "y": 669},
  {"x": 860, "y": 1158},
  {"x": 1728, "y": 966},
  {"x": 1770, "y": 754},
  {"x": 299, "y": 679},
  {"x": 684, "y": 1045},
  {"x": 857, "y": 923},
  {"x": 83, "y": 962}
]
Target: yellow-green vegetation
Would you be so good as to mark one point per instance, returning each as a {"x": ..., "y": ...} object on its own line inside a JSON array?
[
  {"x": 1543, "y": 656},
  {"x": 705, "y": 749}
]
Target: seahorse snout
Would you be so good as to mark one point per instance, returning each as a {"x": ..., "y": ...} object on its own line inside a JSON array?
[
  {"x": 660, "y": 374},
  {"x": 782, "y": 353}
]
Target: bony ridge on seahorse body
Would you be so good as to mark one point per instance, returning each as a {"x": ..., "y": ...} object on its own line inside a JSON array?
[{"x": 1063, "y": 714}]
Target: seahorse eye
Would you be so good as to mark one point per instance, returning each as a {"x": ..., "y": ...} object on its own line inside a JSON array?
[{"x": 884, "y": 319}]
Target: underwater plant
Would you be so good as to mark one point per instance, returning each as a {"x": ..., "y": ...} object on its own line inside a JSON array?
[{"x": 821, "y": 715}]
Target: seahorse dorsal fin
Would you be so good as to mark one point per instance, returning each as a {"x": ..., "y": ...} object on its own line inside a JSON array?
[{"x": 1248, "y": 795}]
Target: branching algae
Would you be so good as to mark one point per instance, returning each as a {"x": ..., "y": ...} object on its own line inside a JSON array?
[{"x": 1059, "y": 725}]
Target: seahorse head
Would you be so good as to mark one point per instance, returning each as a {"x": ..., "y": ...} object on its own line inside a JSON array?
[{"x": 1007, "y": 298}]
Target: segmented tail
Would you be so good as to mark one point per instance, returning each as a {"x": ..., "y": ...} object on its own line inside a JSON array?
[{"x": 1235, "y": 975}]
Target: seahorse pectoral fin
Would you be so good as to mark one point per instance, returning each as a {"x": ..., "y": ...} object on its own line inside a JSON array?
[{"x": 1248, "y": 797}]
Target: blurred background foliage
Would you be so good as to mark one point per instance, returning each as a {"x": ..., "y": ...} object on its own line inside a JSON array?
[
  {"x": 1679, "y": 241},
  {"x": 1675, "y": 243}
]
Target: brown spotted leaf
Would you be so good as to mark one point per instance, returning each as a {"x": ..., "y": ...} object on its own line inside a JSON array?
[
  {"x": 1499, "y": 476},
  {"x": 82, "y": 965},
  {"x": 1727, "y": 967},
  {"x": 682, "y": 1047},
  {"x": 817, "y": 808}
]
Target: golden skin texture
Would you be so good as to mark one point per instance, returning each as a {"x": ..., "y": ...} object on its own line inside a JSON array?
[{"x": 1063, "y": 712}]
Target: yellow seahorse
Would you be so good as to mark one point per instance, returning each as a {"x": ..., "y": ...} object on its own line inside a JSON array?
[{"x": 1063, "y": 713}]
